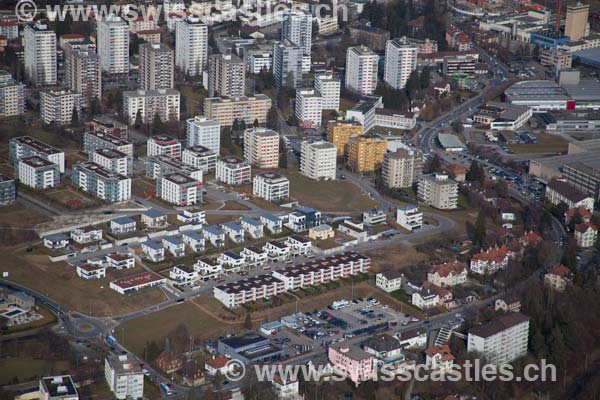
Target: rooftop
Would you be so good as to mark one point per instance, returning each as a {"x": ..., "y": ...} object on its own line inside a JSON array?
[
  {"x": 498, "y": 325},
  {"x": 142, "y": 278}
]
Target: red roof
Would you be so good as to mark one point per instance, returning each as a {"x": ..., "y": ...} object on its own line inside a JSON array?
[
  {"x": 142, "y": 278},
  {"x": 149, "y": 32},
  {"x": 531, "y": 238},
  {"x": 582, "y": 211},
  {"x": 456, "y": 169},
  {"x": 444, "y": 350},
  {"x": 584, "y": 226},
  {"x": 454, "y": 268},
  {"x": 561, "y": 270},
  {"x": 90, "y": 267},
  {"x": 436, "y": 289},
  {"x": 496, "y": 254},
  {"x": 218, "y": 363},
  {"x": 8, "y": 23}
]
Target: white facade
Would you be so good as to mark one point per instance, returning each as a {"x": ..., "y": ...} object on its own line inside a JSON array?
[
  {"x": 156, "y": 67},
  {"x": 309, "y": 107},
  {"x": 113, "y": 45},
  {"x": 271, "y": 186},
  {"x": 179, "y": 189},
  {"x": 83, "y": 73},
  {"x": 329, "y": 86},
  {"x": 164, "y": 102},
  {"x": 287, "y": 64},
  {"x": 233, "y": 171},
  {"x": 389, "y": 281},
  {"x": 124, "y": 377},
  {"x": 57, "y": 106},
  {"x": 361, "y": 70},
  {"x": 200, "y": 157},
  {"x": 400, "y": 62},
  {"x": 502, "y": 340},
  {"x": 256, "y": 62},
  {"x": 439, "y": 191},
  {"x": 40, "y": 55},
  {"x": 297, "y": 28},
  {"x": 38, "y": 173},
  {"x": 261, "y": 147},
  {"x": 203, "y": 132},
  {"x": 113, "y": 160},
  {"x": 12, "y": 96},
  {"x": 318, "y": 160},
  {"x": 409, "y": 217},
  {"x": 163, "y": 145},
  {"x": 191, "y": 41}
]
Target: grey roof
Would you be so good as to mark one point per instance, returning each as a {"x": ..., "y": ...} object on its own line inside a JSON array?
[
  {"x": 153, "y": 213},
  {"x": 193, "y": 234},
  {"x": 176, "y": 240},
  {"x": 57, "y": 237},
  {"x": 251, "y": 221},
  {"x": 270, "y": 217},
  {"x": 449, "y": 140},
  {"x": 233, "y": 255},
  {"x": 153, "y": 245},
  {"x": 123, "y": 220},
  {"x": 213, "y": 230},
  {"x": 233, "y": 226}
]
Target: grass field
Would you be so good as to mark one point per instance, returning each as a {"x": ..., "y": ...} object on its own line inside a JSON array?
[
  {"x": 28, "y": 369},
  {"x": 17, "y": 216},
  {"x": 395, "y": 257},
  {"x": 546, "y": 144},
  {"x": 35, "y": 271}
]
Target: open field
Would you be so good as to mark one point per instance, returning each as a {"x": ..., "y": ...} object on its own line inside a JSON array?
[
  {"x": 17, "y": 216},
  {"x": 395, "y": 257},
  {"x": 142, "y": 187},
  {"x": 546, "y": 144},
  {"x": 60, "y": 282},
  {"x": 70, "y": 198},
  {"x": 214, "y": 219},
  {"x": 28, "y": 369}
]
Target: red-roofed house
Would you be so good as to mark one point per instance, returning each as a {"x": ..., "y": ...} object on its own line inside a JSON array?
[
  {"x": 168, "y": 361},
  {"x": 530, "y": 239},
  {"x": 448, "y": 274},
  {"x": 490, "y": 261},
  {"x": 439, "y": 357},
  {"x": 444, "y": 295},
  {"x": 586, "y": 215},
  {"x": 219, "y": 364},
  {"x": 585, "y": 234},
  {"x": 457, "y": 172},
  {"x": 558, "y": 278}
]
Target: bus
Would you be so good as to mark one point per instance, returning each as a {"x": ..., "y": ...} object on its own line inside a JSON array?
[
  {"x": 110, "y": 339},
  {"x": 165, "y": 389}
]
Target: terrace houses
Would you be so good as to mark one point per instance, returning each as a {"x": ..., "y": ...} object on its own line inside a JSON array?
[
  {"x": 183, "y": 274},
  {"x": 208, "y": 268},
  {"x": 277, "y": 250},
  {"x": 231, "y": 261},
  {"x": 120, "y": 260},
  {"x": 299, "y": 245},
  {"x": 247, "y": 290},
  {"x": 253, "y": 226},
  {"x": 254, "y": 256}
]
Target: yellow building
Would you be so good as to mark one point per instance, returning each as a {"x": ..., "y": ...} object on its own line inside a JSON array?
[
  {"x": 365, "y": 153},
  {"x": 340, "y": 132}
]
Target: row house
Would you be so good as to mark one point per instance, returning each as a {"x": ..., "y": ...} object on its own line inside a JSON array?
[
  {"x": 276, "y": 250},
  {"x": 183, "y": 274},
  {"x": 254, "y": 256},
  {"x": 448, "y": 274},
  {"x": 153, "y": 251},
  {"x": 299, "y": 245},
  {"x": 232, "y": 261},
  {"x": 490, "y": 261},
  {"x": 175, "y": 245},
  {"x": 89, "y": 271},
  {"x": 323, "y": 270},
  {"x": 86, "y": 234},
  {"x": 253, "y": 226},
  {"x": 208, "y": 268},
  {"x": 586, "y": 234},
  {"x": 247, "y": 290},
  {"x": 272, "y": 222},
  {"x": 123, "y": 225},
  {"x": 194, "y": 217},
  {"x": 234, "y": 231},
  {"x": 215, "y": 236},
  {"x": 194, "y": 240},
  {"x": 120, "y": 260}
]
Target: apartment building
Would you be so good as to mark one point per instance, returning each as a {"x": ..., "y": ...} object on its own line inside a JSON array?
[
  {"x": 58, "y": 388},
  {"x": 409, "y": 217},
  {"x": 400, "y": 62},
  {"x": 586, "y": 235},
  {"x": 40, "y": 54},
  {"x": 387, "y": 118},
  {"x": 201, "y": 131},
  {"x": 559, "y": 59},
  {"x": 363, "y": 33},
  {"x": 233, "y": 171},
  {"x": 163, "y": 145},
  {"x": 110, "y": 126},
  {"x": 363, "y": 112},
  {"x": 26, "y": 146},
  {"x": 124, "y": 376},
  {"x": 191, "y": 40},
  {"x": 354, "y": 363},
  {"x": 559, "y": 191},
  {"x": 438, "y": 190},
  {"x": 113, "y": 44},
  {"x": 257, "y": 61},
  {"x": 365, "y": 153},
  {"x": 59, "y": 106},
  {"x": 308, "y": 107},
  {"x": 99, "y": 181},
  {"x": 7, "y": 190},
  {"x": 38, "y": 173},
  {"x": 362, "y": 65},
  {"x": 490, "y": 261},
  {"x": 247, "y": 290},
  {"x": 243, "y": 108},
  {"x": 389, "y": 281},
  {"x": 459, "y": 64},
  {"x": 448, "y": 274},
  {"x": 95, "y": 140},
  {"x": 271, "y": 186},
  {"x": 113, "y": 160},
  {"x": 323, "y": 270},
  {"x": 83, "y": 74},
  {"x": 199, "y": 157},
  {"x": 156, "y": 166},
  {"x": 297, "y": 28},
  {"x": 147, "y": 104},
  {"x": 9, "y": 29},
  {"x": 501, "y": 340},
  {"x": 303, "y": 218},
  {"x": 329, "y": 86},
  {"x": 261, "y": 147},
  {"x": 339, "y": 133},
  {"x": 318, "y": 160},
  {"x": 12, "y": 96},
  {"x": 156, "y": 66},
  {"x": 401, "y": 168},
  {"x": 179, "y": 189},
  {"x": 226, "y": 76},
  {"x": 287, "y": 64}
]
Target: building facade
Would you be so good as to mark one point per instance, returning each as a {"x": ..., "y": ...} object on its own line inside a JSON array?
[{"x": 318, "y": 160}]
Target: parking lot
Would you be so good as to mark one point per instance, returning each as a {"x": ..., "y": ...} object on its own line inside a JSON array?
[{"x": 344, "y": 320}]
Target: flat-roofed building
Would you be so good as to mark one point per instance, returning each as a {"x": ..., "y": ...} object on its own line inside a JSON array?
[
  {"x": 318, "y": 160},
  {"x": 12, "y": 95},
  {"x": 101, "y": 182},
  {"x": 201, "y": 131},
  {"x": 365, "y": 153},
  {"x": 200, "y": 157},
  {"x": 146, "y": 104},
  {"x": 156, "y": 67},
  {"x": 59, "y": 387},
  {"x": 179, "y": 189},
  {"x": 113, "y": 160},
  {"x": 271, "y": 186},
  {"x": 329, "y": 86},
  {"x": 362, "y": 65},
  {"x": 7, "y": 190},
  {"x": 156, "y": 166},
  {"x": 339, "y": 133},
  {"x": 501, "y": 340},
  {"x": 95, "y": 140},
  {"x": 226, "y": 76},
  {"x": 401, "y": 168},
  {"x": 38, "y": 173},
  {"x": 27, "y": 146},
  {"x": 233, "y": 171},
  {"x": 83, "y": 74},
  {"x": 59, "y": 106},
  {"x": 261, "y": 147},
  {"x": 308, "y": 107},
  {"x": 243, "y": 108},
  {"x": 438, "y": 190},
  {"x": 40, "y": 54},
  {"x": 124, "y": 376},
  {"x": 163, "y": 145}
]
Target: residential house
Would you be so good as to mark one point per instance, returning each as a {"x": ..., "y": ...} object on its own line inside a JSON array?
[
  {"x": 254, "y": 256},
  {"x": 409, "y": 217},
  {"x": 374, "y": 217},
  {"x": 584, "y": 213},
  {"x": 192, "y": 217},
  {"x": 299, "y": 245},
  {"x": 183, "y": 274},
  {"x": 425, "y": 299},
  {"x": 194, "y": 240},
  {"x": 175, "y": 245},
  {"x": 120, "y": 260},
  {"x": 414, "y": 338},
  {"x": 154, "y": 219},
  {"x": 86, "y": 234},
  {"x": 232, "y": 261},
  {"x": 559, "y": 191},
  {"x": 445, "y": 296},
  {"x": 439, "y": 357},
  {"x": 448, "y": 274},
  {"x": 153, "y": 251},
  {"x": 303, "y": 218},
  {"x": 321, "y": 232},
  {"x": 457, "y": 172},
  {"x": 253, "y": 226},
  {"x": 56, "y": 241},
  {"x": 490, "y": 260},
  {"x": 208, "y": 268},
  {"x": 354, "y": 229},
  {"x": 234, "y": 231},
  {"x": 389, "y": 281},
  {"x": 558, "y": 278},
  {"x": 168, "y": 362},
  {"x": 356, "y": 364},
  {"x": 215, "y": 236},
  {"x": 89, "y": 271},
  {"x": 122, "y": 225},
  {"x": 277, "y": 250},
  {"x": 273, "y": 223},
  {"x": 192, "y": 374},
  {"x": 586, "y": 234},
  {"x": 286, "y": 387},
  {"x": 221, "y": 365}
]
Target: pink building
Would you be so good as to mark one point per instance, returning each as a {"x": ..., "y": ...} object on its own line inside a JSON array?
[{"x": 354, "y": 363}]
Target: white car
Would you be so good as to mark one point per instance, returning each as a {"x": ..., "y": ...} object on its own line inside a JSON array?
[{"x": 145, "y": 372}]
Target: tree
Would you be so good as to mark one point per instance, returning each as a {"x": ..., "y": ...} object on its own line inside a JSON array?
[
  {"x": 75, "y": 117},
  {"x": 475, "y": 173},
  {"x": 138, "y": 119},
  {"x": 255, "y": 124},
  {"x": 226, "y": 137},
  {"x": 283, "y": 156},
  {"x": 413, "y": 84},
  {"x": 272, "y": 118},
  {"x": 425, "y": 78},
  {"x": 151, "y": 351},
  {"x": 158, "y": 126},
  {"x": 479, "y": 232},
  {"x": 248, "y": 321},
  {"x": 435, "y": 165},
  {"x": 94, "y": 107},
  {"x": 218, "y": 381}
]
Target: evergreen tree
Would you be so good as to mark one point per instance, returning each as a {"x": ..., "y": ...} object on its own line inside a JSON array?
[
  {"x": 75, "y": 117},
  {"x": 138, "y": 119},
  {"x": 425, "y": 78},
  {"x": 255, "y": 124},
  {"x": 248, "y": 321},
  {"x": 272, "y": 119},
  {"x": 413, "y": 84},
  {"x": 158, "y": 126},
  {"x": 479, "y": 232},
  {"x": 226, "y": 137}
]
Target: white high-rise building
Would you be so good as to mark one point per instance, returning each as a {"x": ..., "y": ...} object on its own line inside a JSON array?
[
  {"x": 297, "y": 28},
  {"x": 226, "y": 76},
  {"x": 179, "y": 189},
  {"x": 40, "y": 55},
  {"x": 328, "y": 84},
  {"x": 124, "y": 377},
  {"x": 83, "y": 74},
  {"x": 362, "y": 65},
  {"x": 56, "y": 106},
  {"x": 318, "y": 160},
  {"x": 287, "y": 64},
  {"x": 271, "y": 186},
  {"x": 261, "y": 147},
  {"x": 113, "y": 45},
  {"x": 148, "y": 103},
  {"x": 400, "y": 62},
  {"x": 201, "y": 131},
  {"x": 309, "y": 107},
  {"x": 501, "y": 340},
  {"x": 12, "y": 95},
  {"x": 156, "y": 67},
  {"x": 191, "y": 41}
]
